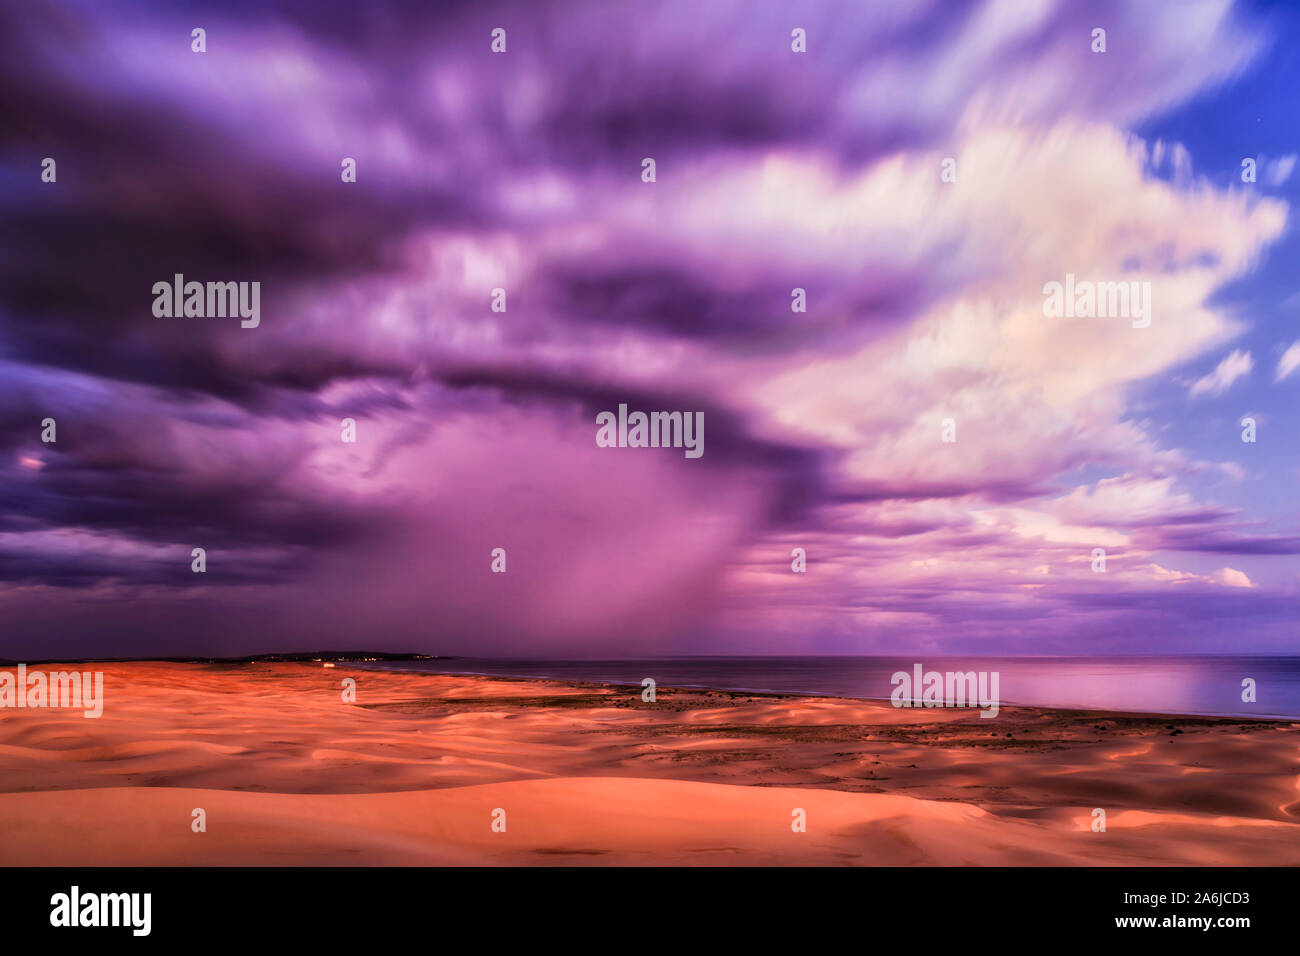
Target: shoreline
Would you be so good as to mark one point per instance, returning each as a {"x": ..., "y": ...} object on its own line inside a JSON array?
[
  {"x": 1004, "y": 703},
  {"x": 389, "y": 661}
]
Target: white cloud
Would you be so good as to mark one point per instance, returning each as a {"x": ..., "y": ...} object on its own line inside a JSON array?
[
  {"x": 1237, "y": 364},
  {"x": 1232, "y": 578},
  {"x": 1225, "y": 577},
  {"x": 1278, "y": 171},
  {"x": 1289, "y": 362}
]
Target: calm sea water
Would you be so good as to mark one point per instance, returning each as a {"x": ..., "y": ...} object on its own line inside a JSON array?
[{"x": 1165, "y": 685}]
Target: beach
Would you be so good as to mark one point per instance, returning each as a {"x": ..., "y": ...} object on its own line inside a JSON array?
[{"x": 427, "y": 769}]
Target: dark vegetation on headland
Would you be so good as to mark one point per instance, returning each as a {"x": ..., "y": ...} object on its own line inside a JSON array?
[{"x": 339, "y": 656}]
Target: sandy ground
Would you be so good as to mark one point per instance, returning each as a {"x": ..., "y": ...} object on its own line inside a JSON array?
[{"x": 286, "y": 772}]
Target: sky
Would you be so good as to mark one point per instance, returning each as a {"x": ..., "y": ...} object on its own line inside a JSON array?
[{"x": 774, "y": 170}]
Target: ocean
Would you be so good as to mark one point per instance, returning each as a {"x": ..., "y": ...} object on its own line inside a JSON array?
[{"x": 1162, "y": 685}]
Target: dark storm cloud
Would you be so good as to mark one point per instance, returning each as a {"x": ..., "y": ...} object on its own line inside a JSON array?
[{"x": 520, "y": 171}]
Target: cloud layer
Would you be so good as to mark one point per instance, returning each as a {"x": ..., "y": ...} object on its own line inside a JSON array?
[{"x": 522, "y": 171}]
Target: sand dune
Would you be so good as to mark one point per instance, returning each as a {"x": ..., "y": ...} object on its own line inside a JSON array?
[
  {"x": 287, "y": 773},
  {"x": 601, "y": 820}
]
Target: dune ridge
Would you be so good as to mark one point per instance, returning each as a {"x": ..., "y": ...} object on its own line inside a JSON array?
[{"x": 286, "y": 772}]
